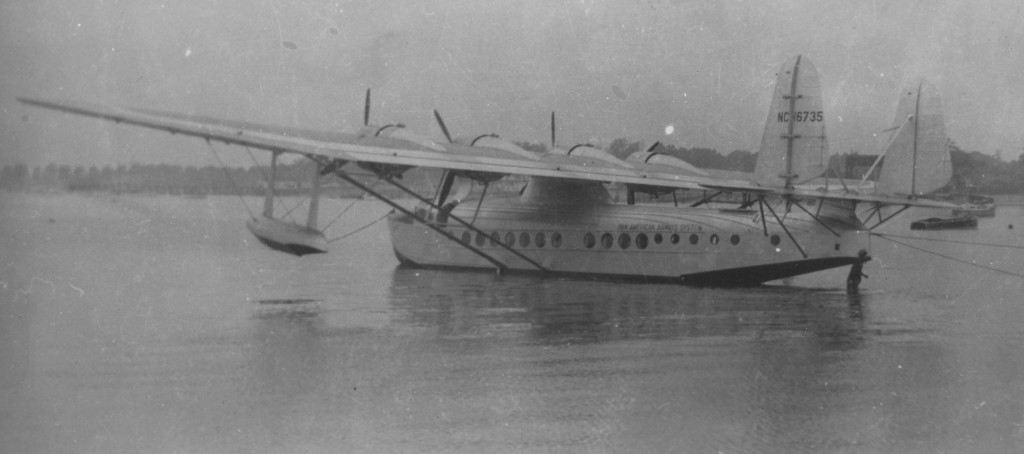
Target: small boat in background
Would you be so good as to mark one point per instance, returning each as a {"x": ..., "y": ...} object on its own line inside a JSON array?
[
  {"x": 976, "y": 209},
  {"x": 970, "y": 204},
  {"x": 962, "y": 222}
]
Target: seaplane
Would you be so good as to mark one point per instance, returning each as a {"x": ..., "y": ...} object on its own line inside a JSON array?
[{"x": 564, "y": 222}]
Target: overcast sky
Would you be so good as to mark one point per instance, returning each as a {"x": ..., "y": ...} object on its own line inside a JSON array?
[{"x": 608, "y": 68}]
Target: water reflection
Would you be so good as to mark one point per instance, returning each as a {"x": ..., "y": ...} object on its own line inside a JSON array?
[
  {"x": 557, "y": 311},
  {"x": 165, "y": 352},
  {"x": 306, "y": 309},
  {"x": 575, "y": 363},
  {"x": 288, "y": 363},
  {"x": 761, "y": 369}
]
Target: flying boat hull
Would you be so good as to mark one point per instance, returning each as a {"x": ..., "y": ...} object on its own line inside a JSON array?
[
  {"x": 643, "y": 242},
  {"x": 564, "y": 221}
]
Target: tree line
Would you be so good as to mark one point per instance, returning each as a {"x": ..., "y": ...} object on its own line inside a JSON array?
[
  {"x": 972, "y": 172},
  {"x": 138, "y": 178}
]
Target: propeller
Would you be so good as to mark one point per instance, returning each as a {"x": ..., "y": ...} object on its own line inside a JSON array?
[
  {"x": 366, "y": 109},
  {"x": 653, "y": 147},
  {"x": 444, "y": 129},
  {"x": 482, "y": 177},
  {"x": 552, "y": 129}
]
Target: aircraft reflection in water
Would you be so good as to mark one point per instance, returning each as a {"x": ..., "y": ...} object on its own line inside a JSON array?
[
  {"x": 462, "y": 305},
  {"x": 791, "y": 221}
]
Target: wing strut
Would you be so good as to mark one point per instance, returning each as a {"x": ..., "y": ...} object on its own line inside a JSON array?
[
  {"x": 344, "y": 176},
  {"x": 479, "y": 203},
  {"x": 760, "y": 206},
  {"x": 887, "y": 218},
  {"x": 876, "y": 208},
  {"x": 314, "y": 197},
  {"x": 465, "y": 224},
  {"x": 705, "y": 199},
  {"x": 268, "y": 200},
  {"x": 815, "y": 217},
  {"x": 434, "y": 226},
  {"x": 790, "y": 235}
]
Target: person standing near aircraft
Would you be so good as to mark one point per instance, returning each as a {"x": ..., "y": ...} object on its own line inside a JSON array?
[{"x": 857, "y": 271}]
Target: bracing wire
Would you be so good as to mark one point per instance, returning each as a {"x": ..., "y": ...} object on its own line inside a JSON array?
[
  {"x": 231, "y": 181},
  {"x": 277, "y": 199},
  {"x": 1010, "y": 273},
  {"x": 359, "y": 229},
  {"x": 940, "y": 240},
  {"x": 254, "y": 161},
  {"x": 350, "y": 205},
  {"x": 288, "y": 213}
]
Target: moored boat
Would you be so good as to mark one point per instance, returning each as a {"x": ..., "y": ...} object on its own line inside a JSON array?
[
  {"x": 961, "y": 222},
  {"x": 975, "y": 209}
]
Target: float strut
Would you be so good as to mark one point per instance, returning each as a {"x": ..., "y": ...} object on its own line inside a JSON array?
[
  {"x": 784, "y": 229},
  {"x": 883, "y": 221},
  {"x": 498, "y": 265},
  {"x": 468, "y": 225}
]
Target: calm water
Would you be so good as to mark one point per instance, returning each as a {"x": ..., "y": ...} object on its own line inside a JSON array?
[{"x": 156, "y": 324}]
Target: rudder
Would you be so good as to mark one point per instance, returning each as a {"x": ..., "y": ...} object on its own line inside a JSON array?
[
  {"x": 917, "y": 158},
  {"x": 794, "y": 148}
]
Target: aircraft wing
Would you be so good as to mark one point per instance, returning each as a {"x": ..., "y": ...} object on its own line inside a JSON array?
[
  {"x": 355, "y": 148},
  {"x": 854, "y": 196},
  {"x": 351, "y": 147}
]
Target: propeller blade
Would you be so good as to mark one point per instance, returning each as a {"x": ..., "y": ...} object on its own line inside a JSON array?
[
  {"x": 652, "y": 147},
  {"x": 366, "y": 109},
  {"x": 552, "y": 129},
  {"x": 444, "y": 128}
]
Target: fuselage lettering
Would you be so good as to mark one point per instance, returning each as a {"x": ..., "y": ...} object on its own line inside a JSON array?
[
  {"x": 660, "y": 228},
  {"x": 802, "y": 116}
]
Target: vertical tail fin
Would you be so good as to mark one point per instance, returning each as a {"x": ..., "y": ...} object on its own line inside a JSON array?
[
  {"x": 794, "y": 148},
  {"x": 917, "y": 158}
]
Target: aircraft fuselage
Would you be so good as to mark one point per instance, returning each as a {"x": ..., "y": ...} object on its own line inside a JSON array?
[{"x": 657, "y": 242}]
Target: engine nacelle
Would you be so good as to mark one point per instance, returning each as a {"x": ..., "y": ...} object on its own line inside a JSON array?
[
  {"x": 589, "y": 151},
  {"x": 658, "y": 159},
  {"x": 399, "y": 132},
  {"x": 493, "y": 141},
  {"x": 395, "y": 132}
]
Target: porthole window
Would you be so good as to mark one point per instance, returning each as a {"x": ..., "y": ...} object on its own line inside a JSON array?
[
  {"x": 713, "y": 239},
  {"x": 466, "y": 237},
  {"x": 657, "y": 238},
  {"x": 606, "y": 240},
  {"x": 510, "y": 239},
  {"x": 539, "y": 239},
  {"x": 641, "y": 241},
  {"x": 556, "y": 240},
  {"x": 694, "y": 238},
  {"x": 480, "y": 238},
  {"x": 495, "y": 238},
  {"x": 776, "y": 240},
  {"x": 674, "y": 238},
  {"x": 524, "y": 239},
  {"x": 735, "y": 239},
  {"x": 624, "y": 241},
  {"x": 589, "y": 241}
]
